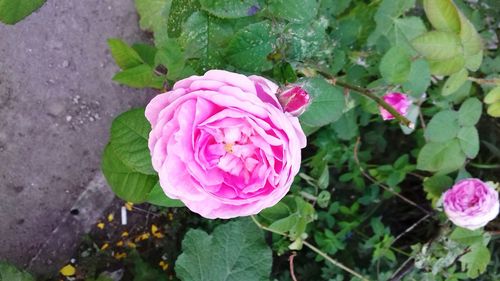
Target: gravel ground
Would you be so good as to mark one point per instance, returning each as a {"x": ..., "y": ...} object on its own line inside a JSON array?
[{"x": 57, "y": 101}]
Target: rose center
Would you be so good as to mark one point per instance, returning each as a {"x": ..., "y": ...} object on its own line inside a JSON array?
[{"x": 228, "y": 147}]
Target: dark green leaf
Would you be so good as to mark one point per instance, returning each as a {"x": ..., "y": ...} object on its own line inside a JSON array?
[
  {"x": 146, "y": 52},
  {"x": 235, "y": 251},
  {"x": 436, "y": 185},
  {"x": 250, "y": 46},
  {"x": 180, "y": 11},
  {"x": 230, "y": 8},
  {"x": 10, "y": 273},
  {"x": 157, "y": 197},
  {"x": 395, "y": 65},
  {"x": 293, "y": 10},
  {"x": 128, "y": 184},
  {"x": 129, "y": 138}
]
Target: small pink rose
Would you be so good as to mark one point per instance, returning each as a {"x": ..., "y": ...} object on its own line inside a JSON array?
[
  {"x": 222, "y": 144},
  {"x": 471, "y": 203},
  {"x": 400, "y": 102},
  {"x": 294, "y": 100}
]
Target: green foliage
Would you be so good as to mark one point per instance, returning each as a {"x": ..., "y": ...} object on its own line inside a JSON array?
[
  {"x": 234, "y": 251},
  {"x": 13, "y": 11},
  {"x": 357, "y": 170},
  {"x": 10, "y": 273}
]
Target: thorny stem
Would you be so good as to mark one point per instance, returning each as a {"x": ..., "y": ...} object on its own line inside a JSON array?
[
  {"x": 368, "y": 93},
  {"x": 314, "y": 249}
]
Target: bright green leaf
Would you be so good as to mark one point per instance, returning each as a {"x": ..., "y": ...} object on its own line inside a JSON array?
[
  {"x": 469, "y": 37},
  {"x": 473, "y": 62},
  {"x": 467, "y": 237},
  {"x": 448, "y": 66},
  {"x": 140, "y": 76},
  {"x": 493, "y": 96},
  {"x": 127, "y": 183},
  {"x": 438, "y": 45},
  {"x": 12, "y": 11},
  {"x": 494, "y": 110},
  {"x": 146, "y": 52},
  {"x": 442, "y": 157},
  {"x": 470, "y": 112},
  {"x": 157, "y": 197},
  {"x": 443, "y": 126},
  {"x": 125, "y": 56},
  {"x": 395, "y": 65},
  {"x": 328, "y": 103},
  {"x": 235, "y": 251},
  {"x": 129, "y": 136},
  {"x": 454, "y": 82},
  {"x": 476, "y": 261},
  {"x": 443, "y": 15},
  {"x": 250, "y": 46},
  {"x": 469, "y": 141}
]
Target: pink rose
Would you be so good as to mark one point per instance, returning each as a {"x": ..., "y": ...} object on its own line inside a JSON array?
[
  {"x": 294, "y": 100},
  {"x": 399, "y": 101},
  {"x": 222, "y": 144},
  {"x": 471, "y": 203}
]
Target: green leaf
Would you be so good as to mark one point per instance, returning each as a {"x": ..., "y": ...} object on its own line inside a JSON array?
[
  {"x": 493, "y": 96},
  {"x": 469, "y": 141},
  {"x": 470, "y": 112},
  {"x": 204, "y": 37},
  {"x": 346, "y": 127},
  {"x": 12, "y": 11},
  {"x": 250, "y": 46},
  {"x": 293, "y": 10},
  {"x": 395, "y": 65},
  {"x": 438, "y": 45},
  {"x": 448, "y": 66},
  {"x": 494, "y": 110},
  {"x": 387, "y": 13},
  {"x": 172, "y": 57},
  {"x": 153, "y": 13},
  {"x": 473, "y": 62},
  {"x": 476, "y": 261},
  {"x": 443, "y": 15},
  {"x": 140, "y": 76},
  {"x": 235, "y": 251},
  {"x": 125, "y": 56},
  {"x": 443, "y": 126},
  {"x": 405, "y": 30},
  {"x": 229, "y": 8},
  {"x": 157, "y": 197},
  {"x": 442, "y": 157},
  {"x": 454, "y": 82},
  {"x": 419, "y": 78},
  {"x": 276, "y": 212},
  {"x": 146, "y": 52},
  {"x": 10, "y": 273},
  {"x": 327, "y": 103},
  {"x": 126, "y": 183},
  {"x": 467, "y": 237},
  {"x": 180, "y": 11},
  {"x": 471, "y": 41},
  {"x": 129, "y": 136},
  {"x": 436, "y": 185},
  {"x": 303, "y": 41}
]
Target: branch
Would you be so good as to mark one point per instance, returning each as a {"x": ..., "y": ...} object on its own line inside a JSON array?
[{"x": 314, "y": 249}]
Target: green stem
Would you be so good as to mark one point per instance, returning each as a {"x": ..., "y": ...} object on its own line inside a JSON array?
[
  {"x": 314, "y": 249},
  {"x": 494, "y": 81},
  {"x": 367, "y": 93},
  {"x": 485, "y": 166}
]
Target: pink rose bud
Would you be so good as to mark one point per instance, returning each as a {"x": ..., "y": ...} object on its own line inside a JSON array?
[
  {"x": 471, "y": 203},
  {"x": 222, "y": 144},
  {"x": 294, "y": 100},
  {"x": 399, "y": 101}
]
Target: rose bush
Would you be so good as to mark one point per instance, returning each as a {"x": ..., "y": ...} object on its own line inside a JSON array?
[
  {"x": 471, "y": 203},
  {"x": 222, "y": 144}
]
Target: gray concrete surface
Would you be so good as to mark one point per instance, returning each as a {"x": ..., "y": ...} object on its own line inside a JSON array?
[{"x": 57, "y": 101}]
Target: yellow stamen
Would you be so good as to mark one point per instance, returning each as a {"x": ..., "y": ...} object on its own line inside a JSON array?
[{"x": 228, "y": 147}]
